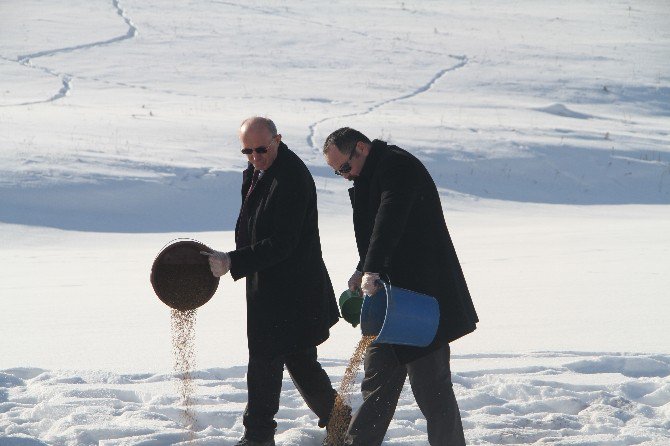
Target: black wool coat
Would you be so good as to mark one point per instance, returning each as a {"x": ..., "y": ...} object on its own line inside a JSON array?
[
  {"x": 290, "y": 299},
  {"x": 401, "y": 233}
]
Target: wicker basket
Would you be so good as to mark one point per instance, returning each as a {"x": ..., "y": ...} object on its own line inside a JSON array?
[{"x": 181, "y": 276}]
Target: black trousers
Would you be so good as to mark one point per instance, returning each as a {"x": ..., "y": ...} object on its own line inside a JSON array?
[
  {"x": 264, "y": 381},
  {"x": 430, "y": 378}
]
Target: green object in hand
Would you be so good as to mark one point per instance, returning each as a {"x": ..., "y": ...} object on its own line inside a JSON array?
[{"x": 350, "y": 306}]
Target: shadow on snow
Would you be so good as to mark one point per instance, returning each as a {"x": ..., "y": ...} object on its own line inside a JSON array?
[{"x": 196, "y": 199}]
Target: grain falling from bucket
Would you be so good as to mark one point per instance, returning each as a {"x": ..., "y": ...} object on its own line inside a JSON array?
[
  {"x": 339, "y": 419},
  {"x": 183, "y": 349}
]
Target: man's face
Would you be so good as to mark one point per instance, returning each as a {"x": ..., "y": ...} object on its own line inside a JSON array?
[
  {"x": 258, "y": 136},
  {"x": 340, "y": 162}
]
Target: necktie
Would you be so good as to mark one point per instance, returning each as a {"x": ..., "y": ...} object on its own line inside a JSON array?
[
  {"x": 254, "y": 180},
  {"x": 243, "y": 238}
]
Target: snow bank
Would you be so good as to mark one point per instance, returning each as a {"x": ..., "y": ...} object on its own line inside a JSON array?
[{"x": 501, "y": 402}]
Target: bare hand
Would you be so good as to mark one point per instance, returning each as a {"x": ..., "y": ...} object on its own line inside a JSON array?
[{"x": 355, "y": 281}]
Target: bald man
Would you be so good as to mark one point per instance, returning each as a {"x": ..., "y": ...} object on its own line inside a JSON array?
[{"x": 290, "y": 301}]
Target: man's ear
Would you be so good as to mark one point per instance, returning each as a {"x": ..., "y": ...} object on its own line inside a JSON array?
[{"x": 363, "y": 148}]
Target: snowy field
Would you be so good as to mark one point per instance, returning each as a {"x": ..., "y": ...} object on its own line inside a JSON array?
[{"x": 546, "y": 126}]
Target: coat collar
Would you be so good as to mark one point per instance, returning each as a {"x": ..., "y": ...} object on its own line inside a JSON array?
[
  {"x": 281, "y": 156},
  {"x": 378, "y": 149}
]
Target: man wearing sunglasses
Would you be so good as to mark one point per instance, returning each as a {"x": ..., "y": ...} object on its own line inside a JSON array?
[
  {"x": 290, "y": 300},
  {"x": 401, "y": 235}
]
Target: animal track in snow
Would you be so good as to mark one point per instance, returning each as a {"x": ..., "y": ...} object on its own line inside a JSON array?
[
  {"x": 66, "y": 78},
  {"x": 463, "y": 60}
]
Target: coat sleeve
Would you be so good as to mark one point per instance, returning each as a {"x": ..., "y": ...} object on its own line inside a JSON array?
[
  {"x": 292, "y": 198},
  {"x": 399, "y": 190},
  {"x": 352, "y": 198}
]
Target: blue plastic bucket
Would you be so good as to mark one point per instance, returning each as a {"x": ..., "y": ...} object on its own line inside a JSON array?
[{"x": 399, "y": 316}]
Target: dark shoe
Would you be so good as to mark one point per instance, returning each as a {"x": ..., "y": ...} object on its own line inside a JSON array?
[{"x": 247, "y": 442}]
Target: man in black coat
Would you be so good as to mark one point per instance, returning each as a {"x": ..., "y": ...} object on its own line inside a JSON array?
[
  {"x": 290, "y": 301},
  {"x": 402, "y": 235}
]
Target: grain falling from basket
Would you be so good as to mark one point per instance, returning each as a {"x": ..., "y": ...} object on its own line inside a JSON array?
[{"x": 183, "y": 349}]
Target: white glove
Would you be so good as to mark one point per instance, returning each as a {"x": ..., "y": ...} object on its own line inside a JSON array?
[
  {"x": 219, "y": 262},
  {"x": 355, "y": 281},
  {"x": 370, "y": 283}
]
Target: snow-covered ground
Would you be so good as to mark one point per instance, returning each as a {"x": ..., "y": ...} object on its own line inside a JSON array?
[
  {"x": 546, "y": 126},
  {"x": 548, "y": 398}
]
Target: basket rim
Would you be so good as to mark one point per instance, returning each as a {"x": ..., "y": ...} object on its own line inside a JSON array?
[{"x": 170, "y": 245}]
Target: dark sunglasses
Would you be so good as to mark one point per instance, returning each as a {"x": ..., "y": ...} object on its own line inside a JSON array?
[
  {"x": 346, "y": 167},
  {"x": 260, "y": 149}
]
